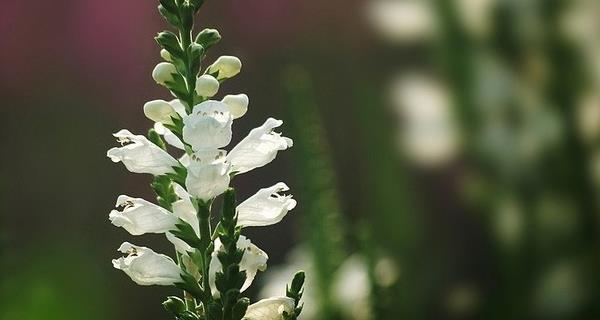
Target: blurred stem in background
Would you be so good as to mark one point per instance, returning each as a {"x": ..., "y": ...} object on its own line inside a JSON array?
[
  {"x": 322, "y": 223},
  {"x": 559, "y": 172}
]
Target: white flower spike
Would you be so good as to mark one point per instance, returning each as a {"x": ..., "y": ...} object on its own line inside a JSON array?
[
  {"x": 253, "y": 260},
  {"x": 207, "y": 86},
  {"x": 207, "y": 175},
  {"x": 146, "y": 267},
  {"x": 139, "y": 155},
  {"x": 139, "y": 216},
  {"x": 259, "y": 148},
  {"x": 270, "y": 309},
  {"x": 226, "y": 67},
  {"x": 208, "y": 127},
  {"x": 266, "y": 207},
  {"x": 237, "y": 103},
  {"x": 160, "y": 111},
  {"x": 163, "y": 72}
]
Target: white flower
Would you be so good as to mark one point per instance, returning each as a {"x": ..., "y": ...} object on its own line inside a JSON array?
[
  {"x": 270, "y": 309},
  {"x": 266, "y": 207},
  {"x": 253, "y": 260},
  {"x": 207, "y": 175},
  {"x": 139, "y": 155},
  {"x": 140, "y": 216},
  {"x": 352, "y": 288},
  {"x": 207, "y": 85},
  {"x": 258, "y": 148},
  {"x": 160, "y": 111},
  {"x": 226, "y": 66},
  {"x": 237, "y": 103},
  {"x": 146, "y": 267},
  {"x": 163, "y": 72},
  {"x": 401, "y": 21},
  {"x": 208, "y": 126}
]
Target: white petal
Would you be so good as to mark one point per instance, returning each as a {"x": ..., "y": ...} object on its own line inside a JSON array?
[
  {"x": 237, "y": 103},
  {"x": 140, "y": 216},
  {"x": 270, "y": 309},
  {"x": 258, "y": 148},
  {"x": 208, "y": 126},
  {"x": 139, "y": 155},
  {"x": 266, "y": 207},
  {"x": 146, "y": 267},
  {"x": 169, "y": 136}
]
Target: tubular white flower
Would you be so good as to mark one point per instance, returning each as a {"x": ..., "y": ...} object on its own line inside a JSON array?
[
  {"x": 207, "y": 85},
  {"x": 258, "y": 148},
  {"x": 208, "y": 126},
  {"x": 139, "y": 216},
  {"x": 139, "y": 155},
  {"x": 226, "y": 66},
  {"x": 146, "y": 267},
  {"x": 253, "y": 260},
  {"x": 207, "y": 175},
  {"x": 266, "y": 207},
  {"x": 160, "y": 111},
  {"x": 270, "y": 309},
  {"x": 163, "y": 72},
  {"x": 237, "y": 103}
]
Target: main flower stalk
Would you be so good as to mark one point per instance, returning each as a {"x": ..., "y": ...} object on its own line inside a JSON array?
[{"x": 184, "y": 151}]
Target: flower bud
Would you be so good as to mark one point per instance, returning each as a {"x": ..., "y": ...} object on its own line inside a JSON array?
[
  {"x": 238, "y": 104},
  {"x": 226, "y": 66},
  {"x": 207, "y": 86},
  {"x": 163, "y": 72},
  {"x": 159, "y": 111},
  {"x": 208, "y": 37},
  {"x": 166, "y": 55}
]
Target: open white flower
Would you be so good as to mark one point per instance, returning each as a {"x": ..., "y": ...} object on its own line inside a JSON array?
[
  {"x": 208, "y": 126},
  {"x": 139, "y": 155},
  {"x": 266, "y": 207},
  {"x": 160, "y": 111},
  {"x": 139, "y": 216},
  {"x": 146, "y": 267},
  {"x": 207, "y": 174},
  {"x": 253, "y": 260},
  {"x": 237, "y": 103},
  {"x": 258, "y": 148},
  {"x": 226, "y": 67},
  {"x": 270, "y": 309}
]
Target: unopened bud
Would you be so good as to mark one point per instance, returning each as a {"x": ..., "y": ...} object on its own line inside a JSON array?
[
  {"x": 163, "y": 72},
  {"x": 166, "y": 55},
  {"x": 226, "y": 66},
  {"x": 207, "y": 86},
  {"x": 237, "y": 104},
  {"x": 159, "y": 111}
]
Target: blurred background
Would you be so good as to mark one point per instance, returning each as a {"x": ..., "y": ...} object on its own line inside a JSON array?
[{"x": 446, "y": 158}]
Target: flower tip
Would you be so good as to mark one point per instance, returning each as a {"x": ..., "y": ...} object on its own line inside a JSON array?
[
  {"x": 159, "y": 111},
  {"x": 226, "y": 67}
]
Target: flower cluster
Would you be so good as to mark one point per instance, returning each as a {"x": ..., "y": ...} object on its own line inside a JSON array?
[{"x": 215, "y": 263}]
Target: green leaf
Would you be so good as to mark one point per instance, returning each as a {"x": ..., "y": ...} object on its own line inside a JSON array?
[
  {"x": 169, "y": 41},
  {"x": 174, "y": 305},
  {"x": 186, "y": 233},
  {"x": 190, "y": 285},
  {"x": 239, "y": 309},
  {"x": 155, "y": 138},
  {"x": 208, "y": 37},
  {"x": 172, "y": 18}
]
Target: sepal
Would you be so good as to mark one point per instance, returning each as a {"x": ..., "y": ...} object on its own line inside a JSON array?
[{"x": 186, "y": 233}]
